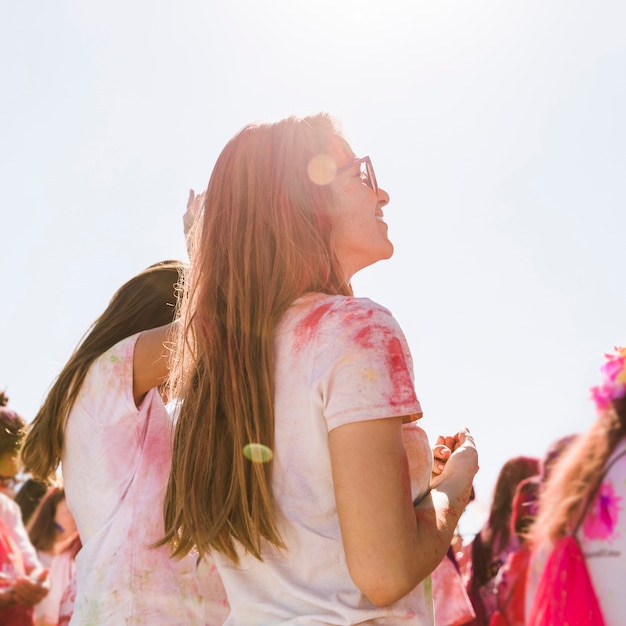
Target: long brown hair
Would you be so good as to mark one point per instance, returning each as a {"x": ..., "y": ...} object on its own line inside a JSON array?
[
  {"x": 148, "y": 300},
  {"x": 264, "y": 241},
  {"x": 576, "y": 475}
]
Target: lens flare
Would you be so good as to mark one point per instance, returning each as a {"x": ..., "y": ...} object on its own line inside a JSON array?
[
  {"x": 257, "y": 453},
  {"x": 322, "y": 169}
]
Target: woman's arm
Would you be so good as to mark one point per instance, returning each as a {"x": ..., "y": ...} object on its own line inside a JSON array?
[
  {"x": 391, "y": 546},
  {"x": 150, "y": 361}
]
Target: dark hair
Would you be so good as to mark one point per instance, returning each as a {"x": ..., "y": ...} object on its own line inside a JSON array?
[
  {"x": 29, "y": 496},
  {"x": 12, "y": 428},
  {"x": 496, "y": 532},
  {"x": 42, "y": 531}
]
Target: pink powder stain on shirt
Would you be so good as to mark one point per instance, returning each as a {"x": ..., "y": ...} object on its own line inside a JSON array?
[
  {"x": 395, "y": 357},
  {"x": 602, "y": 519},
  {"x": 399, "y": 372},
  {"x": 305, "y": 330}
]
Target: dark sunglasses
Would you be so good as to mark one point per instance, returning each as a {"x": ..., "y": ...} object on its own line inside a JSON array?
[{"x": 367, "y": 171}]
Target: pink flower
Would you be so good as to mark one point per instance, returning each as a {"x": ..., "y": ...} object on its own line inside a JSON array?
[{"x": 614, "y": 380}]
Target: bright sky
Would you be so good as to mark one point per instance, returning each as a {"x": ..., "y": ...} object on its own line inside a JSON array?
[{"x": 498, "y": 129}]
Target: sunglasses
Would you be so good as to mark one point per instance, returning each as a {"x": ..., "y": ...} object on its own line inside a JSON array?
[{"x": 366, "y": 169}]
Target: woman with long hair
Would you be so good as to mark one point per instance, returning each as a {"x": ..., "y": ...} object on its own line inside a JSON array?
[
  {"x": 585, "y": 494},
  {"x": 52, "y": 531},
  {"x": 298, "y": 462},
  {"x": 104, "y": 419},
  {"x": 496, "y": 540}
]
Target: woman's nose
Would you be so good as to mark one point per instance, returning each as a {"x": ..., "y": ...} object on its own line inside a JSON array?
[{"x": 383, "y": 197}]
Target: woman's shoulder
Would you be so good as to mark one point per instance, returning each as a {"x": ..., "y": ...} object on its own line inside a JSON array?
[
  {"x": 108, "y": 383},
  {"x": 331, "y": 305},
  {"x": 316, "y": 313}
]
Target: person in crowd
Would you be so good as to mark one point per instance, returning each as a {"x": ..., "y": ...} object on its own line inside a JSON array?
[
  {"x": 511, "y": 577},
  {"x": 23, "y": 580},
  {"x": 53, "y": 533},
  {"x": 28, "y": 497},
  {"x": 105, "y": 420},
  {"x": 584, "y": 495},
  {"x": 298, "y": 460},
  {"x": 495, "y": 541}
]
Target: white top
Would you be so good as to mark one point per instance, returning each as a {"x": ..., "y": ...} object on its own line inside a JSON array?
[
  {"x": 116, "y": 466},
  {"x": 602, "y": 538},
  {"x": 338, "y": 360},
  {"x": 62, "y": 569}
]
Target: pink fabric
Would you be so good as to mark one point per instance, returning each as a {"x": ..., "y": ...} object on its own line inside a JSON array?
[
  {"x": 66, "y": 608},
  {"x": 512, "y": 590},
  {"x": 565, "y": 593},
  {"x": 452, "y": 604},
  {"x": 12, "y": 565}
]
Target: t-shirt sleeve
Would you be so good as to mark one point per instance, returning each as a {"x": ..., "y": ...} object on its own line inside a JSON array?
[
  {"x": 363, "y": 367},
  {"x": 110, "y": 381}
]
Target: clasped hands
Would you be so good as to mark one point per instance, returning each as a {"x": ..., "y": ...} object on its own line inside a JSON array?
[{"x": 447, "y": 445}]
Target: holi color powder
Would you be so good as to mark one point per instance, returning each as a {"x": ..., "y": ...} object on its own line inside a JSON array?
[{"x": 603, "y": 515}]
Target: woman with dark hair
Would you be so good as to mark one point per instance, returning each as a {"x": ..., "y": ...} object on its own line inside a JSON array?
[
  {"x": 298, "y": 460},
  {"x": 52, "y": 531},
  {"x": 585, "y": 496},
  {"x": 496, "y": 540},
  {"x": 105, "y": 419},
  {"x": 23, "y": 580},
  {"x": 28, "y": 497},
  {"x": 512, "y": 576}
]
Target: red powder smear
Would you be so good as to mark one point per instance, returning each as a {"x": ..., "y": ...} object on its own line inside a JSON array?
[
  {"x": 305, "y": 330},
  {"x": 399, "y": 373},
  {"x": 395, "y": 358},
  {"x": 365, "y": 334}
]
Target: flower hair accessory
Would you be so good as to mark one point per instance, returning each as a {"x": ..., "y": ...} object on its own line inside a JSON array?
[{"x": 614, "y": 384}]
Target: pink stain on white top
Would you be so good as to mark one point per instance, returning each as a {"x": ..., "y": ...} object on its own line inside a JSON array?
[
  {"x": 338, "y": 360},
  {"x": 601, "y": 520},
  {"x": 116, "y": 466}
]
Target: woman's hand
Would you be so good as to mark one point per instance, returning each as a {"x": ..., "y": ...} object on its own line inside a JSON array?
[
  {"x": 462, "y": 462},
  {"x": 441, "y": 453},
  {"x": 30, "y": 591},
  {"x": 6, "y": 597},
  {"x": 193, "y": 212}
]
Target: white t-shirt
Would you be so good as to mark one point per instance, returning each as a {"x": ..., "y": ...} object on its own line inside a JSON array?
[
  {"x": 602, "y": 538},
  {"x": 338, "y": 360},
  {"x": 116, "y": 465}
]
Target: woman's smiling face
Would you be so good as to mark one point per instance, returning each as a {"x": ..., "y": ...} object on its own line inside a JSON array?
[{"x": 359, "y": 234}]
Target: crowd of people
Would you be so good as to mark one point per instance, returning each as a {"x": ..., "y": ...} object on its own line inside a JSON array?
[{"x": 236, "y": 440}]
